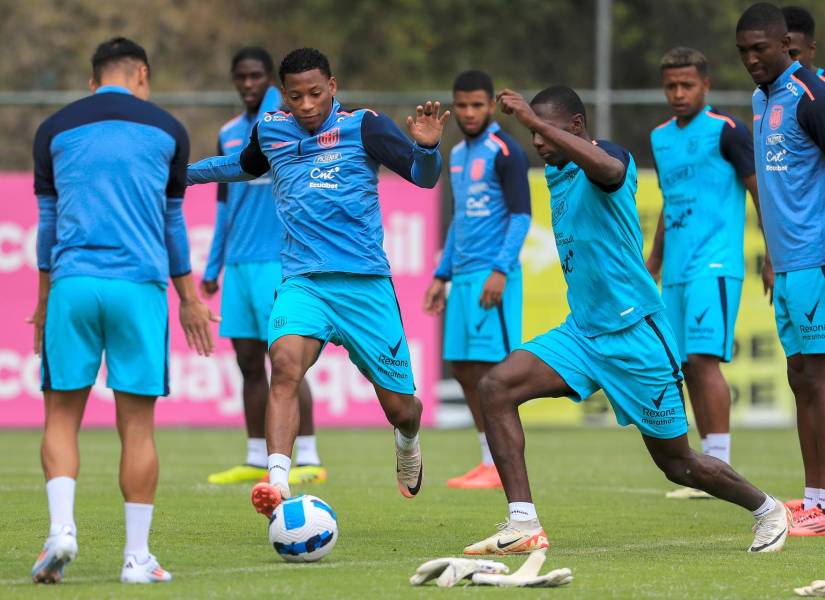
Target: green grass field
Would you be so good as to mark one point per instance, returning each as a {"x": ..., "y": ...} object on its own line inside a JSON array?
[{"x": 599, "y": 496}]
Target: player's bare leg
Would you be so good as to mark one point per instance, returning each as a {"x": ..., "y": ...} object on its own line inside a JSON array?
[
  {"x": 809, "y": 389},
  {"x": 484, "y": 475},
  {"x": 138, "y": 483},
  {"x": 403, "y": 411},
  {"x": 291, "y": 356},
  {"x": 710, "y": 399},
  {"x": 521, "y": 377},
  {"x": 61, "y": 463},
  {"x": 683, "y": 466}
]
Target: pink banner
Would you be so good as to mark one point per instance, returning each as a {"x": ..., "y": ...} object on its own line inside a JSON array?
[{"x": 207, "y": 391}]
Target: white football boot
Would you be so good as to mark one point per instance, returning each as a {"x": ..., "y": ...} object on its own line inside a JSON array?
[
  {"x": 148, "y": 572},
  {"x": 771, "y": 530},
  {"x": 59, "y": 550},
  {"x": 409, "y": 470},
  {"x": 513, "y": 537}
]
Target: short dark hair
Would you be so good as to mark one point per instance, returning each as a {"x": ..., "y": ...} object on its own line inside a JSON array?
[
  {"x": 302, "y": 60},
  {"x": 115, "y": 50},
  {"x": 799, "y": 20},
  {"x": 682, "y": 56},
  {"x": 562, "y": 97},
  {"x": 762, "y": 17},
  {"x": 474, "y": 80},
  {"x": 254, "y": 53}
]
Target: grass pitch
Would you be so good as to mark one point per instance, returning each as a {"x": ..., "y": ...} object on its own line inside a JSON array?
[{"x": 599, "y": 496}]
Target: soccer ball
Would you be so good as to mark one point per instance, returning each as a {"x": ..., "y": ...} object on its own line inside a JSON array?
[{"x": 303, "y": 529}]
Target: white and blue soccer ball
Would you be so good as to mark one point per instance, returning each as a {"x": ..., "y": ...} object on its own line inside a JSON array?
[{"x": 303, "y": 529}]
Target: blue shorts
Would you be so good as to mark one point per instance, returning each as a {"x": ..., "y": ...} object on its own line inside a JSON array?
[
  {"x": 636, "y": 367},
  {"x": 799, "y": 307},
  {"x": 128, "y": 321},
  {"x": 248, "y": 295},
  {"x": 358, "y": 312},
  {"x": 478, "y": 334},
  {"x": 702, "y": 314}
]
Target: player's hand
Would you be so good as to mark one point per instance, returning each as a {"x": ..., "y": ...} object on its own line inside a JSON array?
[
  {"x": 434, "y": 299},
  {"x": 768, "y": 278},
  {"x": 492, "y": 290},
  {"x": 654, "y": 267},
  {"x": 38, "y": 319},
  {"x": 208, "y": 288},
  {"x": 428, "y": 125},
  {"x": 194, "y": 318},
  {"x": 513, "y": 103}
]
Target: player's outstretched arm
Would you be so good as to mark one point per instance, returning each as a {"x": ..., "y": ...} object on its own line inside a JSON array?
[
  {"x": 419, "y": 162},
  {"x": 249, "y": 164},
  {"x": 598, "y": 165}
]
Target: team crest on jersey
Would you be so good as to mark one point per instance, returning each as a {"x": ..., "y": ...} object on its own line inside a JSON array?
[
  {"x": 477, "y": 168},
  {"x": 776, "y": 117},
  {"x": 329, "y": 139}
]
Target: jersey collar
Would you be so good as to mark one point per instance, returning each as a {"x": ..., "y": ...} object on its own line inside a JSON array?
[
  {"x": 781, "y": 81},
  {"x": 492, "y": 127},
  {"x": 113, "y": 89}
]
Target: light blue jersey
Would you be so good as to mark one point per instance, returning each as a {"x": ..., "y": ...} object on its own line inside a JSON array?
[
  {"x": 491, "y": 205},
  {"x": 326, "y": 185},
  {"x": 599, "y": 242},
  {"x": 700, "y": 168},
  {"x": 789, "y": 147},
  {"x": 247, "y": 226}
]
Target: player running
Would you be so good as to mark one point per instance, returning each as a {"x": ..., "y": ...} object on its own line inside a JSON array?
[
  {"x": 488, "y": 170},
  {"x": 802, "y": 32},
  {"x": 704, "y": 161},
  {"x": 110, "y": 173},
  {"x": 337, "y": 288},
  {"x": 616, "y": 338},
  {"x": 248, "y": 241},
  {"x": 789, "y": 146}
]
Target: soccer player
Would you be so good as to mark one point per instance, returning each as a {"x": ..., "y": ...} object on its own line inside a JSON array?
[
  {"x": 488, "y": 170},
  {"x": 248, "y": 241},
  {"x": 789, "y": 146},
  {"x": 337, "y": 288},
  {"x": 616, "y": 338},
  {"x": 802, "y": 31},
  {"x": 110, "y": 173},
  {"x": 704, "y": 161}
]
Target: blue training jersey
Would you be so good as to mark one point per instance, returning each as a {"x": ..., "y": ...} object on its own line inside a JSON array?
[
  {"x": 700, "y": 168},
  {"x": 599, "y": 241},
  {"x": 491, "y": 204},
  {"x": 326, "y": 185},
  {"x": 247, "y": 226},
  {"x": 109, "y": 175},
  {"x": 789, "y": 147}
]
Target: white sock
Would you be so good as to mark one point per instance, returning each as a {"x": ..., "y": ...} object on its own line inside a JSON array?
[
  {"x": 138, "y": 524},
  {"x": 306, "y": 452},
  {"x": 766, "y": 507},
  {"x": 279, "y": 465},
  {"x": 811, "y": 497},
  {"x": 256, "y": 452},
  {"x": 486, "y": 457},
  {"x": 405, "y": 443},
  {"x": 522, "y": 511},
  {"x": 718, "y": 446},
  {"x": 704, "y": 445},
  {"x": 60, "y": 491},
  {"x": 821, "y": 500}
]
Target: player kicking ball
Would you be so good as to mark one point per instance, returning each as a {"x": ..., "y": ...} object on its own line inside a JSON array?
[
  {"x": 337, "y": 288},
  {"x": 616, "y": 337}
]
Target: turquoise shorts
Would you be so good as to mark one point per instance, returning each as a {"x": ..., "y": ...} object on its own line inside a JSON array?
[
  {"x": 358, "y": 312},
  {"x": 799, "y": 307},
  {"x": 88, "y": 316},
  {"x": 473, "y": 333},
  {"x": 248, "y": 295},
  {"x": 702, "y": 314},
  {"x": 636, "y": 367}
]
